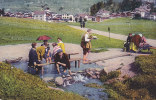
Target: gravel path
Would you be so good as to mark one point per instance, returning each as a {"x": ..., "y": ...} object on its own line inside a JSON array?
[
  {"x": 113, "y": 35},
  {"x": 124, "y": 63}
]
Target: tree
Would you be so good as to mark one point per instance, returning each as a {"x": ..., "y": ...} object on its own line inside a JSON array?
[
  {"x": 2, "y": 12},
  {"x": 61, "y": 8},
  {"x": 130, "y": 5},
  {"x": 94, "y": 9},
  {"x": 109, "y": 2}
]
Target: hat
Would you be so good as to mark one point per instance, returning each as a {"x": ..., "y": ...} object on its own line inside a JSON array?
[
  {"x": 59, "y": 50},
  {"x": 140, "y": 35},
  {"x": 54, "y": 44},
  {"x": 89, "y": 30}
]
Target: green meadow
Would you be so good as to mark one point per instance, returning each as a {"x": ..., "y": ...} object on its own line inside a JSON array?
[
  {"x": 17, "y": 31},
  {"x": 124, "y": 26}
]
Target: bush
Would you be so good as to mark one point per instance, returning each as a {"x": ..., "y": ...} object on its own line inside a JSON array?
[
  {"x": 146, "y": 64},
  {"x": 93, "y": 85},
  {"x": 15, "y": 84},
  {"x": 119, "y": 86},
  {"x": 113, "y": 95},
  {"x": 111, "y": 75},
  {"x": 122, "y": 90}
]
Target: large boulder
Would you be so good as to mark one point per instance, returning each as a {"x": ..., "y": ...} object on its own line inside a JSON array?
[
  {"x": 46, "y": 79},
  {"x": 98, "y": 69},
  {"x": 59, "y": 80}
]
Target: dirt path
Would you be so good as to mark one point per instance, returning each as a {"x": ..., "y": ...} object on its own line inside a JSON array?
[{"x": 113, "y": 35}]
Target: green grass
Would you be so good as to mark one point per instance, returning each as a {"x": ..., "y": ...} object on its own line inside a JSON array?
[
  {"x": 140, "y": 87},
  {"x": 124, "y": 26},
  {"x": 17, "y": 85},
  {"x": 15, "y": 31}
]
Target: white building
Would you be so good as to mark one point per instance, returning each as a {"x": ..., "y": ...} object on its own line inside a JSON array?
[
  {"x": 40, "y": 15},
  {"x": 68, "y": 18},
  {"x": 143, "y": 10},
  {"x": 103, "y": 13},
  {"x": 153, "y": 16}
]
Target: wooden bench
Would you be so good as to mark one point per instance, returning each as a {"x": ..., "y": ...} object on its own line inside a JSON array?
[
  {"x": 77, "y": 61},
  {"x": 152, "y": 47},
  {"x": 71, "y": 54}
]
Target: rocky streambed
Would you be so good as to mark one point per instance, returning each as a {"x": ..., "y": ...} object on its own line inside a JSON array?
[{"x": 86, "y": 74}]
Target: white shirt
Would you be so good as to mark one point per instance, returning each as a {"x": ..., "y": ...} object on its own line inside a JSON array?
[{"x": 87, "y": 37}]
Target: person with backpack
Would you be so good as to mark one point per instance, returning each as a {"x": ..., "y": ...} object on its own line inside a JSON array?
[{"x": 86, "y": 45}]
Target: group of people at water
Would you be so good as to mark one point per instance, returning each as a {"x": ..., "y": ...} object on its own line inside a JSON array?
[
  {"x": 58, "y": 56},
  {"x": 136, "y": 42}
]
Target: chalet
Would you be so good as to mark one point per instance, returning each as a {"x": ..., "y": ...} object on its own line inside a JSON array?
[
  {"x": 83, "y": 16},
  {"x": 68, "y": 18},
  {"x": 143, "y": 10},
  {"x": 103, "y": 13},
  {"x": 153, "y": 16},
  {"x": 40, "y": 15},
  {"x": 19, "y": 15},
  {"x": 90, "y": 18}
]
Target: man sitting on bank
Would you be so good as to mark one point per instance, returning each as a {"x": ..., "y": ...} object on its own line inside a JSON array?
[{"x": 61, "y": 59}]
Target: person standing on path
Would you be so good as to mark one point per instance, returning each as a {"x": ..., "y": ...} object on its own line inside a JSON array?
[
  {"x": 84, "y": 24},
  {"x": 109, "y": 32},
  {"x": 86, "y": 44}
]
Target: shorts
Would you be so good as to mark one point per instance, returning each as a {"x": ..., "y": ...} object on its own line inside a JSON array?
[
  {"x": 86, "y": 50},
  {"x": 65, "y": 67},
  {"x": 45, "y": 55}
]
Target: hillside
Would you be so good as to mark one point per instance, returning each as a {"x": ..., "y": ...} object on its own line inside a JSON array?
[{"x": 69, "y": 6}]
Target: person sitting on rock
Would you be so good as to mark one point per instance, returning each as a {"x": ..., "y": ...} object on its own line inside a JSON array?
[
  {"x": 61, "y": 59},
  {"x": 143, "y": 44},
  {"x": 127, "y": 44}
]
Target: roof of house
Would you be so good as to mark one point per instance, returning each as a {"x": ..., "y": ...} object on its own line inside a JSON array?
[
  {"x": 103, "y": 11},
  {"x": 39, "y": 12}
]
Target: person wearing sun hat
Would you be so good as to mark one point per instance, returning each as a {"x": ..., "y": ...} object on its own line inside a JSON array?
[{"x": 61, "y": 59}]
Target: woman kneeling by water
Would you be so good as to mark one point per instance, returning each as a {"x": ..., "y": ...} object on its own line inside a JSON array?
[
  {"x": 61, "y": 59},
  {"x": 33, "y": 60}
]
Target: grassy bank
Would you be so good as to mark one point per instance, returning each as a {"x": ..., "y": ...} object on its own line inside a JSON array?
[
  {"x": 17, "y": 85},
  {"x": 15, "y": 31},
  {"x": 140, "y": 87},
  {"x": 124, "y": 26}
]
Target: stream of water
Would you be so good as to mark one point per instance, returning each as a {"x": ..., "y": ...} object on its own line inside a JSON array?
[{"x": 80, "y": 80}]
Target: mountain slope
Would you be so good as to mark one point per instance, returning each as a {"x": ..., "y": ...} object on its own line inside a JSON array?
[{"x": 60, "y": 6}]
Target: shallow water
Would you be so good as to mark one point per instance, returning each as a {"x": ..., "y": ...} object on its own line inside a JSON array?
[{"x": 76, "y": 87}]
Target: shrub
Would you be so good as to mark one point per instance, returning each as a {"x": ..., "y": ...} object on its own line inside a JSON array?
[
  {"x": 144, "y": 81},
  {"x": 111, "y": 75},
  {"x": 146, "y": 64},
  {"x": 113, "y": 95},
  {"x": 93, "y": 85},
  {"x": 119, "y": 86}
]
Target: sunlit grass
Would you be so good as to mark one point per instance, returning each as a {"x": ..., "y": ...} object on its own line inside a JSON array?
[
  {"x": 15, "y": 31},
  {"x": 124, "y": 26}
]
